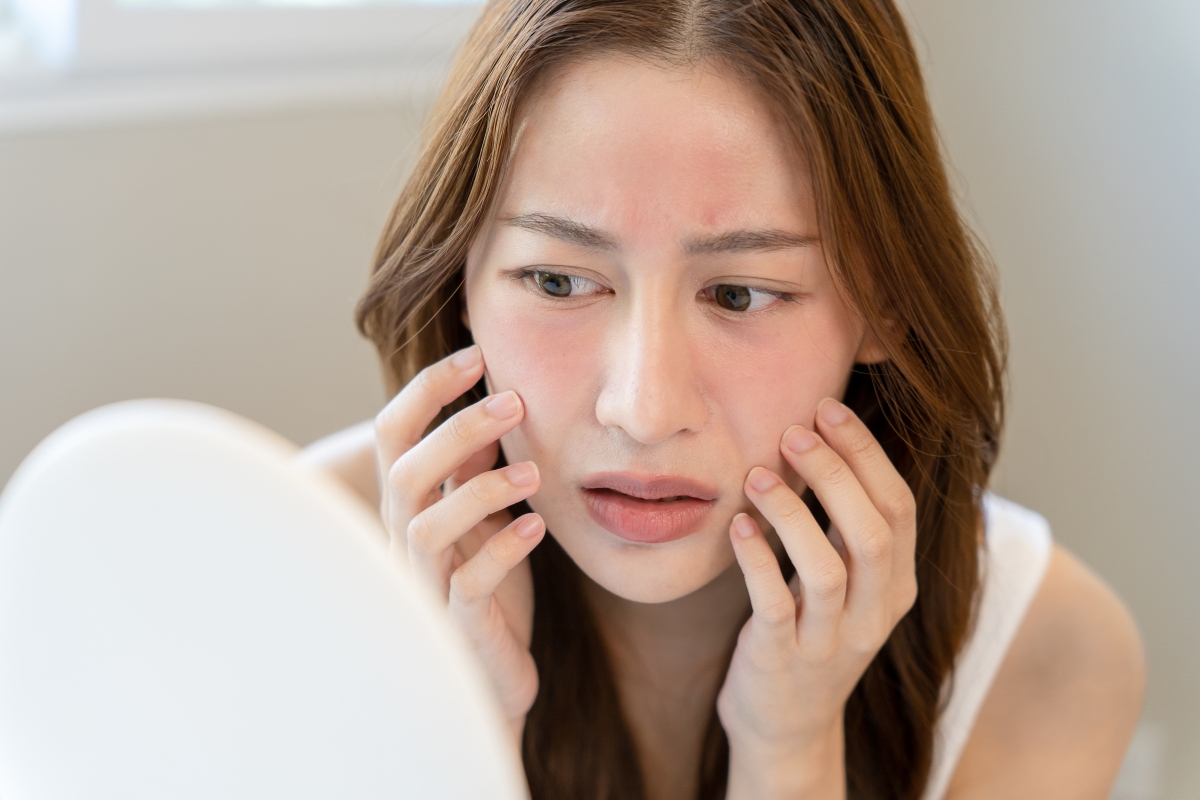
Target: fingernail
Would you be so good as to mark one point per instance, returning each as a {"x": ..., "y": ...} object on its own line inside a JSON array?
[
  {"x": 743, "y": 526},
  {"x": 529, "y": 527},
  {"x": 503, "y": 406},
  {"x": 521, "y": 474},
  {"x": 465, "y": 359},
  {"x": 762, "y": 479},
  {"x": 799, "y": 439},
  {"x": 833, "y": 412}
]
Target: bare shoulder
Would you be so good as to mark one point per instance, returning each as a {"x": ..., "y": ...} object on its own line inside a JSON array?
[
  {"x": 1066, "y": 700},
  {"x": 350, "y": 455}
]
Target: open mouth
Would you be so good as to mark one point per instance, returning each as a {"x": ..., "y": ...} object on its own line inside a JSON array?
[
  {"x": 648, "y": 509},
  {"x": 657, "y": 500}
]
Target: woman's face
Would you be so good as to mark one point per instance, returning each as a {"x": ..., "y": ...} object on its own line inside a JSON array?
[{"x": 651, "y": 284}]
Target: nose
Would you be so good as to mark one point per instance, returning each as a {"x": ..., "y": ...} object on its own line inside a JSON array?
[{"x": 651, "y": 390}]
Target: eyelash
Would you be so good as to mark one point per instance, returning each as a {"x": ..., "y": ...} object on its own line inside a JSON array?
[
  {"x": 529, "y": 278},
  {"x": 711, "y": 292}
]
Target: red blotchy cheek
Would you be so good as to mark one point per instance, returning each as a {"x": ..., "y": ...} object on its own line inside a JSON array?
[
  {"x": 552, "y": 367},
  {"x": 762, "y": 385}
]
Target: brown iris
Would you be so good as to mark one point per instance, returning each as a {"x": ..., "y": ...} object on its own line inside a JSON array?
[{"x": 734, "y": 298}]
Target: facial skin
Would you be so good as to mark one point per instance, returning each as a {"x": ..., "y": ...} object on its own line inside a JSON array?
[{"x": 648, "y": 186}]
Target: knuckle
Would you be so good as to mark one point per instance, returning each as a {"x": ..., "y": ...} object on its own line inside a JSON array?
[
  {"x": 458, "y": 430},
  {"x": 495, "y": 554},
  {"x": 780, "y": 611},
  {"x": 400, "y": 475},
  {"x": 875, "y": 548},
  {"x": 464, "y": 585},
  {"x": 481, "y": 492},
  {"x": 389, "y": 415},
  {"x": 828, "y": 581},
  {"x": 860, "y": 447},
  {"x": 762, "y": 563},
  {"x": 423, "y": 381},
  {"x": 383, "y": 421},
  {"x": 388, "y": 429},
  {"x": 418, "y": 533},
  {"x": 794, "y": 515},
  {"x": 831, "y": 472},
  {"x": 901, "y": 507}
]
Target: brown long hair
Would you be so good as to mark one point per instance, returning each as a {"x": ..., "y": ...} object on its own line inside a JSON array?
[{"x": 846, "y": 81}]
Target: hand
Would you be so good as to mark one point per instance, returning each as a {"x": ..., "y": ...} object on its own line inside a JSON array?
[
  {"x": 807, "y": 643},
  {"x": 445, "y": 510}
]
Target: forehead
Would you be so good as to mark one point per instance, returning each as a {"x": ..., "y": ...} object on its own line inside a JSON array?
[{"x": 633, "y": 145}]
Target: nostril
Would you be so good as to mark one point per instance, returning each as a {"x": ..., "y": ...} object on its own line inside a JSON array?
[{"x": 651, "y": 396}]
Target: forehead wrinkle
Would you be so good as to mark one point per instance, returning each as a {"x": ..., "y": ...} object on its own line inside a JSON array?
[{"x": 563, "y": 229}]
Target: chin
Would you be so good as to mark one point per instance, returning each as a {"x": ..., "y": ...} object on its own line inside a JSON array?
[{"x": 645, "y": 573}]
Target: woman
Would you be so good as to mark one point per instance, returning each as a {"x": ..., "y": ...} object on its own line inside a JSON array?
[{"x": 700, "y": 383}]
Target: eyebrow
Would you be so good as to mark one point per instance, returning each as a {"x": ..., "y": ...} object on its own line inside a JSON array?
[
  {"x": 563, "y": 229},
  {"x": 748, "y": 242},
  {"x": 581, "y": 235}
]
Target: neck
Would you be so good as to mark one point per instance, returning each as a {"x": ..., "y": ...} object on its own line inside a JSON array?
[
  {"x": 678, "y": 641},
  {"x": 668, "y": 662}
]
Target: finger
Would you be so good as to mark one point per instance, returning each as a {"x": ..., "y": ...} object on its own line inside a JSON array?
[
  {"x": 838, "y": 543},
  {"x": 403, "y": 421},
  {"x": 477, "y": 464},
  {"x": 886, "y": 487},
  {"x": 417, "y": 476},
  {"x": 432, "y": 533},
  {"x": 773, "y": 603},
  {"x": 473, "y": 584},
  {"x": 821, "y": 570},
  {"x": 867, "y": 536}
]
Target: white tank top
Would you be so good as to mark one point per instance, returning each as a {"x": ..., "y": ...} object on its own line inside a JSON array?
[{"x": 1012, "y": 566}]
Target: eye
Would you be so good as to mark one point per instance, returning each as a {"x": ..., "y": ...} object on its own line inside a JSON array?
[
  {"x": 556, "y": 284},
  {"x": 742, "y": 298}
]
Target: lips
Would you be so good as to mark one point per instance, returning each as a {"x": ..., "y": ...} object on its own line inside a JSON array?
[{"x": 648, "y": 509}]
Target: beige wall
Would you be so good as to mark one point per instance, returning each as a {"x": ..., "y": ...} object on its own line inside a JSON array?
[
  {"x": 1074, "y": 129},
  {"x": 215, "y": 259},
  {"x": 219, "y": 259}
]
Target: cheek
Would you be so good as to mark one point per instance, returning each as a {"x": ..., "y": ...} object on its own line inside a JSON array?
[
  {"x": 542, "y": 362},
  {"x": 766, "y": 383}
]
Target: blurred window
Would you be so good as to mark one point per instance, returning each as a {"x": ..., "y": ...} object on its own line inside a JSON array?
[
  {"x": 35, "y": 32},
  {"x": 10, "y": 40},
  {"x": 68, "y": 61},
  {"x": 91, "y": 35},
  {"x": 277, "y": 3}
]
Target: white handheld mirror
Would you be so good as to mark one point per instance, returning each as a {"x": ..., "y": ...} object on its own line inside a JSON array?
[{"x": 186, "y": 612}]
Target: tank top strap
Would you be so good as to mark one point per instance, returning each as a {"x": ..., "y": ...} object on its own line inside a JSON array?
[{"x": 1012, "y": 565}]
